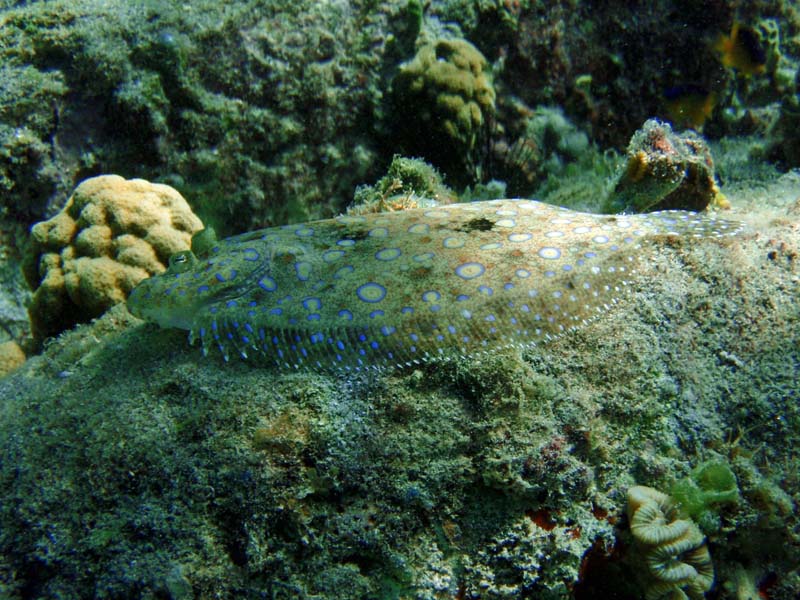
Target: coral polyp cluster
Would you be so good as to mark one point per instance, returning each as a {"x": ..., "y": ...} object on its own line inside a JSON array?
[
  {"x": 444, "y": 103},
  {"x": 674, "y": 548}
]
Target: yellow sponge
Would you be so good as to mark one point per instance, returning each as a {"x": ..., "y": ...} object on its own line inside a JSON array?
[{"x": 111, "y": 234}]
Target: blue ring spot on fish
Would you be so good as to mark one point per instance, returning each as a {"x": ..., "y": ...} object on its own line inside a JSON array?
[
  {"x": 251, "y": 254},
  {"x": 519, "y": 237},
  {"x": 431, "y": 296},
  {"x": 452, "y": 243},
  {"x": 303, "y": 270},
  {"x": 331, "y": 255},
  {"x": 346, "y": 270},
  {"x": 312, "y": 303},
  {"x": 470, "y": 270},
  {"x": 221, "y": 278},
  {"x": 388, "y": 254},
  {"x": 549, "y": 253},
  {"x": 267, "y": 284},
  {"x": 371, "y": 292}
]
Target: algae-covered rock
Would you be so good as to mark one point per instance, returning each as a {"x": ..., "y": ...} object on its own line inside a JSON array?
[
  {"x": 257, "y": 110},
  {"x": 408, "y": 183},
  {"x": 111, "y": 234},
  {"x": 665, "y": 171}
]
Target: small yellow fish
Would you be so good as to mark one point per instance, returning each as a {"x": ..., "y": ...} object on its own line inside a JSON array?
[
  {"x": 742, "y": 50},
  {"x": 689, "y": 105}
]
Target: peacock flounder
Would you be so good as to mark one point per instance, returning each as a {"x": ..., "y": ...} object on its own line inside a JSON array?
[{"x": 393, "y": 289}]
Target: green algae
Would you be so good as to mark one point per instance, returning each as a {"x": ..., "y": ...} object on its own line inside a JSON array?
[{"x": 700, "y": 495}]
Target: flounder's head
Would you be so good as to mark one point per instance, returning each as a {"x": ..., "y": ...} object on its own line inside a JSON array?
[
  {"x": 169, "y": 298},
  {"x": 212, "y": 274}
]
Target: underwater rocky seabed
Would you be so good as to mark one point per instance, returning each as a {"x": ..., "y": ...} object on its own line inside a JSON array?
[{"x": 131, "y": 466}]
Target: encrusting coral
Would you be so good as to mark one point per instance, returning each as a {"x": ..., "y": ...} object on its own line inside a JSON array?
[
  {"x": 111, "y": 234},
  {"x": 675, "y": 551},
  {"x": 445, "y": 102}
]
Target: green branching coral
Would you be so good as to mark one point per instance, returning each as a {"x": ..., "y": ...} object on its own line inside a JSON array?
[
  {"x": 444, "y": 102},
  {"x": 674, "y": 548}
]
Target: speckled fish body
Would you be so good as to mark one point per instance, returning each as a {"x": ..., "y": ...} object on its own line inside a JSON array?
[{"x": 393, "y": 289}]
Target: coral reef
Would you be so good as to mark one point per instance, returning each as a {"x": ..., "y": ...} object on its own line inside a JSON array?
[
  {"x": 490, "y": 478},
  {"x": 665, "y": 170},
  {"x": 133, "y": 467},
  {"x": 444, "y": 104},
  {"x": 111, "y": 234},
  {"x": 674, "y": 549}
]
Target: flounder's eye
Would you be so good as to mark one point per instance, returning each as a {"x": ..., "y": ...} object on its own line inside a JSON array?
[{"x": 180, "y": 262}]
